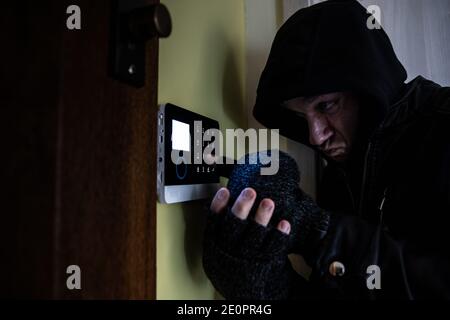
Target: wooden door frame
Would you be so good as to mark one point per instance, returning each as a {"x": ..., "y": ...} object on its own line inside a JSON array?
[{"x": 81, "y": 159}]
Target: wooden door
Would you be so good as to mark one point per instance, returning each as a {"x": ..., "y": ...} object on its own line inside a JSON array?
[{"x": 79, "y": 169}]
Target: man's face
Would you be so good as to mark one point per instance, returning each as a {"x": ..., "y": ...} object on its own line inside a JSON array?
[{"x": 332, "y": 120}]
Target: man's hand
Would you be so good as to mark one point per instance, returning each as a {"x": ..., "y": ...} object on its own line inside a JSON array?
[
  {"x": 247, "y": 258},
  {"x": 244, "y": 203}
]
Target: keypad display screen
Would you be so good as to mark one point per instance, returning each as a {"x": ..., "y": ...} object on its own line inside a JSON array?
[{"x": 186, "y": 137}]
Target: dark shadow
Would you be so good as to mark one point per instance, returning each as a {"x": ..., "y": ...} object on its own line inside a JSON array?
[
  {"x": 232, "y": 92},
  {"x": 194, "y": 214}
]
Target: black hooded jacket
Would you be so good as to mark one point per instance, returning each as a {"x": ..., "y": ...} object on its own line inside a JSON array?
[{"x": 391, "y": 206}]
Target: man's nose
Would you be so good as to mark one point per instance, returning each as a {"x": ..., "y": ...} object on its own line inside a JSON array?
[{"x": 319, "y": 131}]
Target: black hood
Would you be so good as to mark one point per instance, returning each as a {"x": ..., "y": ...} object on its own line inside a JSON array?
[{"x": 322, "y": 49}]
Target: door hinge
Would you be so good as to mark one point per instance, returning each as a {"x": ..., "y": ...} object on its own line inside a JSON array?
[{"x": 133, "y": 23}]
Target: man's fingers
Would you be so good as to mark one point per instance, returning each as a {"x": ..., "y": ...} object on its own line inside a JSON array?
[
  {"x": 264, "y": 212},
  {"x": 284, "y": 226},
  {"x": 220, "y": 200},
  {"x": 241, "y": 208}
]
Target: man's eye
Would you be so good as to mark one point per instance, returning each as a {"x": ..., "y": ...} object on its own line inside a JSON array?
[{"x": 327, "y": 106}]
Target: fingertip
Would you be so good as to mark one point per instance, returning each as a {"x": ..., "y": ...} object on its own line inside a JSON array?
[
  {"x": 220, "y": 200},
  {"x": 249, "y": 193},
  {"x": 243, "y": 204},
  {"x": 264, "y": 212},
  {"x": 267, "y": 204},
  {"x": 223, "y": 194},
  {"x": 284, "y": 226}
]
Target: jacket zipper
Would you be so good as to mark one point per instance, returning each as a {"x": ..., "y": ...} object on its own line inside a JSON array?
[
  {"x": 363, "y": 183},
  {"x": 381, "y": 206},
  {"x": 367, "y": 180},
  {"x": 349, "y": 190}
]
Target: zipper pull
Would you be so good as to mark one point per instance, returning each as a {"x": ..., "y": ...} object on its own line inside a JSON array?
[{"x": 382, "y": 204}]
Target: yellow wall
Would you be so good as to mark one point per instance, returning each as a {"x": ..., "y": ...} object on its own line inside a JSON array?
[{"x": 201, "y": 67}]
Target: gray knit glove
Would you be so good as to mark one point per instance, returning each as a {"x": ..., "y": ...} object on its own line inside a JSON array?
[
  {"x": 245, "y": 260},
  {"x": 309, "y": 223}
]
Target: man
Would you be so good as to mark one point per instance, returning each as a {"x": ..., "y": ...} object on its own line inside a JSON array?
[{"x": 337, "y": 86}]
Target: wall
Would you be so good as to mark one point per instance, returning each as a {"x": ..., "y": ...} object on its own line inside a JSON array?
[
  {"x": 261, "y": 25},
  {"x": 201, "y": 67},
  {"x": 420, "y": 34},
  {"x": 262, "y": 20}
]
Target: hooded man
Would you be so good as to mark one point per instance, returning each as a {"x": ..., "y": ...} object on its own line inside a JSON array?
[{"x": 383, "y": 203}]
